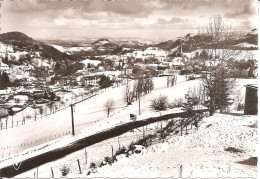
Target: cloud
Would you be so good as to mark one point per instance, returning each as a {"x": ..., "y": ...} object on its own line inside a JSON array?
[
  {"x": 118, "y": 17},
  {"x": 248, "y": 9},
  {"x": 171, "y": 21}
]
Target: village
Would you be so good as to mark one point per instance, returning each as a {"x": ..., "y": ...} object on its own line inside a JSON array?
[{"x": 129, "y": 89}]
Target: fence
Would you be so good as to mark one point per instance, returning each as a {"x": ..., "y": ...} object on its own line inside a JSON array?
[
  {"x": 77, "y": 145},
  {"x": 13, "y": 149},
  {"x": 10, "y": 123},
  {"x": 98, "y": 154}
]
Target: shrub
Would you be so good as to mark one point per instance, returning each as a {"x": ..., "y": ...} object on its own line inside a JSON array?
[
  {"x": 159, "y": 104},
  {"x": 233, "y": 149},
  {"x": 178, "y": 102},
  {"x": 64, "y": 169},
  {"x": 92, "y": 165}
]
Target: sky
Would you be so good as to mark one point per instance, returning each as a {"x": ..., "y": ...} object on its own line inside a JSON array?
[{"x": 157, "y": 20}]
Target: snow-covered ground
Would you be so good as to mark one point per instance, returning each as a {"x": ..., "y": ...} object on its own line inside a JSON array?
[
  {"x": 89, "y": 113},
  {"x": 246, "y": 44},
  {"x": 201, "y": 154},
  {"x": 96, "y": 119},
  {"x": 70, "y": 50}
]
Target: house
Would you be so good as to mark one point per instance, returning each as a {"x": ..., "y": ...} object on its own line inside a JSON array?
[
  {"x": 90, "y": 80},
  {"x": 251, "y": 100},
  {"x": 3, "y": 67},
  {"x": 177, "y": 63},
  {"x": 237, "y": 73},
  {"x": 60, "y": 83}
]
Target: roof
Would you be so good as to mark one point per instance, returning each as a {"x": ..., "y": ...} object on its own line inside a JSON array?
[{"x": 254, "y": 86}]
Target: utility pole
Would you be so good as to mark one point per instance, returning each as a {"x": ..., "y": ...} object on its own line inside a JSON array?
[
  {"x": 139, "y": 103},
  {"x": 72, "y": 119}
]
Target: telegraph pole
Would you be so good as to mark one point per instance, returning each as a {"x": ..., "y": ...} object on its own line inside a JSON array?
[
  {"x": 72, "y": 119},
  {"x": 139, "y": 102}
]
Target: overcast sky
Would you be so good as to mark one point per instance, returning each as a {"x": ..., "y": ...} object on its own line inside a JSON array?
[{"x": 148, "y": 19}]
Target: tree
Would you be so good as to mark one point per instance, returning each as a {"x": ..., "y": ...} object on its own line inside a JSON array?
[
  {"x": 104, "y": 81},
  {"x": 50, "y": 105},
  {"x": 4, "y": 80},
  {"x": 57, "y": 67},
  {"x": 3, "y": 114},
  {"x": 214, "y": 59},
  {"x": 41, "y": 111},
  {"x": 109, "y": 106},
  {"x": 223, "y": 100},
  {"x": 239, "y": 99},
  {"x": 126, "y": 93},
  {"x": 159, "y": 104}
]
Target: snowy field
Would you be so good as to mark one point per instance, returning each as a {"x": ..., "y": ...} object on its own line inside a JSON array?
[
  {"x": 96, "y": 120},
  {"x": 90, "y": 113},
  {"x": 201, "y": 154}
]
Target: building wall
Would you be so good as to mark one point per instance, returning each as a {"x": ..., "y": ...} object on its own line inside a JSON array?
[{"x": 251, "y": 101}]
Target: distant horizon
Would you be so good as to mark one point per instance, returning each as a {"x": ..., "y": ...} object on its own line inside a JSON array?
[{"x": 148, "y": 20}]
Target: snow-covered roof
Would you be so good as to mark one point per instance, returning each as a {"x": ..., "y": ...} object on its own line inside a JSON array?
[{"x": 88, "y": 61}]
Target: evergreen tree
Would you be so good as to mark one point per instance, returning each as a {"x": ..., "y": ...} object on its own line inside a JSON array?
[
  {"x": 188, "y": 104},
  {"x": 223, "y": 99},
  {"x": 104, "y": 81},
  {"x": 57, "y": 66},
  {"x": 4, "y": 80}
]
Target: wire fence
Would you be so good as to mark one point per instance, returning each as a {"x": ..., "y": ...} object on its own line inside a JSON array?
[
  {"x": 10, "y": 122},
  {"x": 13, "y": 149}
]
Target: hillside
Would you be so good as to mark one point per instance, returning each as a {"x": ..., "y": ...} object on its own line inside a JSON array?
[
  {"x": 17, "y": 49},
  {"x": 214, "y": 150},
  {"x": 22, "y": 43},
  {"x": 192, "y": 42}
]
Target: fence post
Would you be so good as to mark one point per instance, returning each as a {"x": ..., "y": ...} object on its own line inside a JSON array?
[
  {"x": 79, "y": 167},
  {"x": 86, "y": 156},
  {"x": 52, "y": 174},
  {"x": 181, "y": 126},
  {"x": 112, "y": 150},
  {"x": 118, "y": 143},
  {"x": 37, "y": 173}
]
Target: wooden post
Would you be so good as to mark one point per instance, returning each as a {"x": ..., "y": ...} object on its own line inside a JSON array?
[
  {"x": 86, "y": 156},
  {"x": 118, "y": 143},
  {"x": 180, "y": 171},
  {"x": 186, "y": 125},
  {"x": 143, "y": 132},
  {"x": 139, "y": 103},
  {"x": 72, "y": 119},
  {"x": 112, "y": 150},
  {"x": 37, "y": 173},
  {"x": 181, "y": 126},
  {"x": 79, "y": 167},
  {"x": 52, "y": 174}
]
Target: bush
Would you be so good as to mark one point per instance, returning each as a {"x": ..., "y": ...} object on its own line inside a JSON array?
[
  {"x": 92, "y": 165},
  {"x": 178, "y": 102},
  {"x": 65, "y": 170},
  {"x": 159, "y": 104},
  {"x": 233, "y": 149}
]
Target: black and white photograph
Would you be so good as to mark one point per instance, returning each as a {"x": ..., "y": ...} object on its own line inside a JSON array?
[{"x": 129, "y": 88}]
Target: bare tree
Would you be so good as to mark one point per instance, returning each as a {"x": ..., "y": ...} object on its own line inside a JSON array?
[
  {"x": 126, "y": 92},
  {"x": 214, "y": 59},
  {"x": 109, "y": 106},
  {"x": 35, "y": 114},
  {"x": 239, "y": 99},
  {"x": 41, "y": 111},
  {"x": 50, "y": 105}
]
